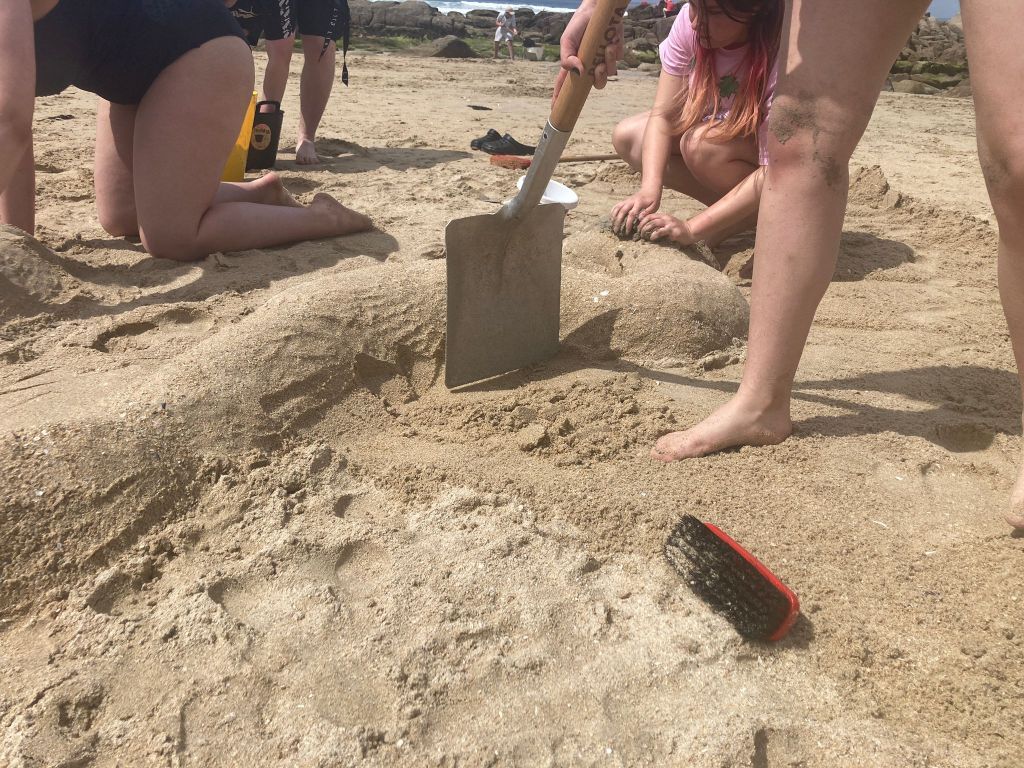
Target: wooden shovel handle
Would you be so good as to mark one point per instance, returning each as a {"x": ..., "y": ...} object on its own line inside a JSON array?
[{"x": 576, "y": 88}]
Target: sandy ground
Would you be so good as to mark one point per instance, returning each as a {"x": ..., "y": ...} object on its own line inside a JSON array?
[{"x": 243, "y": 522}]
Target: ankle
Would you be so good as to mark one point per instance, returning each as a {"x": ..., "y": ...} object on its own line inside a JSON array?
[{"x": 765, "y": 402}]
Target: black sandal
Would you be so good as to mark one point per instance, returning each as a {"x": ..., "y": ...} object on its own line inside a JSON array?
[
  {"x": 506, "y": 145},
  {"x": 491, "y": 135}
]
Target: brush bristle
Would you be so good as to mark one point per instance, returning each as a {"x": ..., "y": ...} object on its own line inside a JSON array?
[
  {"x": 724, "y": 579},
  {"x": 510, "y": 161}
]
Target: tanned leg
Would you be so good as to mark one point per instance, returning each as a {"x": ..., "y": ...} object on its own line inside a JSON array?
[
  {"x": 184, "y": 129},
  {"x": 994, "y": 30},
  {"x": 314, "y": 93},
  {"x": 837, "y": 54}
]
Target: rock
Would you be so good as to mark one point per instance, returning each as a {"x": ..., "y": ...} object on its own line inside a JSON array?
[
  {"x": 913, "y": 86},
  {"x": 662, "y": 27},
  {"x": 448, "y": 47},
  {"x": 413, "y": 18},
  {"x": 962, "y": 91},
  {"x": 940, "y": 82}
]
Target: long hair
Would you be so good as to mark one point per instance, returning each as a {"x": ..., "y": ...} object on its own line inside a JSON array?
[{"x": 703, "y": 97}]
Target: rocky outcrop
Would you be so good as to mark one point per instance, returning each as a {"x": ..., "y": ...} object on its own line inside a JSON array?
[
  {"x": 935, "y": 56},
  {"x": 411, "y": 18}
]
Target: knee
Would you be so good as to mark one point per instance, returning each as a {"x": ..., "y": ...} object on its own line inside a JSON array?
[
  {"x": 165, "y": 244},
  {"x": 1002, "y": 164},
  {"x": 280, "y": 51},
  {"x": 811, "y": 141},
  {"x": 118, "y": 222},
  {"x": 624, "y": 140}
]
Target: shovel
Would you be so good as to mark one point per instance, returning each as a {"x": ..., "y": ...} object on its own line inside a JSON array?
[{"x": 505, "y": 268}]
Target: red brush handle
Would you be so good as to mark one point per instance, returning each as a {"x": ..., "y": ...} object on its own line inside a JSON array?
[{"x": 791, "y": 598}]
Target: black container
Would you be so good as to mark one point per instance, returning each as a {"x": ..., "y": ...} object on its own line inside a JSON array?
[{"x": 266, "y": 132}]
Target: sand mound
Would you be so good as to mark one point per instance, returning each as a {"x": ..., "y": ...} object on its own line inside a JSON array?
[
  {"x": 243, "y": 523},
  {"x": 652, "y": 303},
  {"x": 31, "y": 279}
]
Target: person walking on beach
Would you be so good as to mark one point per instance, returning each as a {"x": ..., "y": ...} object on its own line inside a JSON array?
[
  {"x": 707, "y": 134},
  {"x": 174, "y": 78},
  {"x": 321, "y": 23},
  {"x": 505, "y": 31},
  {"x": 835, "y": 57}
]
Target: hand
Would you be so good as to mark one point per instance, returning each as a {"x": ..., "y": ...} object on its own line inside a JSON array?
[
  {"x": 658, "y": 226},
  {"x": 570, "y": 46},
  {"x": 627, "y": 214}
]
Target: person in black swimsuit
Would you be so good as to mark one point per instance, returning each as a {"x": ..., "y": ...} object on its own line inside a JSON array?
[
  {"x": 175, "y": 78},
  {"x": 321, "y": 23}
]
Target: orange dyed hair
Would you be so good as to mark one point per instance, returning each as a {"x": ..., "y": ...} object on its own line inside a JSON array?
[{"x": 764, "y": 19}]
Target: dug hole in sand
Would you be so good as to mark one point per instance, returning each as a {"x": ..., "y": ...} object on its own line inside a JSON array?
[{"x": 244, "y": 523}]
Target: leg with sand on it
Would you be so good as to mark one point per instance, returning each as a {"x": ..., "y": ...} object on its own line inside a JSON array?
[
  {"x": 314, "y": 93},
  {"x": 837, "y": 54},
  {"x": 183, "y": 130},
  {"x": 994, "y": 30}
]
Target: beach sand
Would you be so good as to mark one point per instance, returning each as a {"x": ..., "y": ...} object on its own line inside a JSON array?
[{"x": 242, "y": 522}]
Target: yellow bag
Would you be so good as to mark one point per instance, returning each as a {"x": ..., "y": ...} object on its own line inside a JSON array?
[{"x": 235, "y": 168}]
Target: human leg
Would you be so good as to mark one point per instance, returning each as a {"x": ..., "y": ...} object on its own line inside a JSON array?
[
  {"x": 718, "y": 166},
  {"x": 184, "y": 129},
  {"x": 994, "y": 29},
  {"x": 628, "y": 139},
  {"x": 314, "y": 93},
  {"x": 115, "y": 191},
  {"x": 279, "y": 59},
  {"x": 837, "y": 54}
]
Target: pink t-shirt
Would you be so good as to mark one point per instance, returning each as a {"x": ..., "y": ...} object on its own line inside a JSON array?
[{"x": 678, "y": 53}]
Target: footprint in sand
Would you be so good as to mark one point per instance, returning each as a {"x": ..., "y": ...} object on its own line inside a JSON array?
[{"x": 166, "y": 330}]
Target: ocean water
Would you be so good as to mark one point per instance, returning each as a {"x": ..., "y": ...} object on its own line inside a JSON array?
[{"x": 463, "y": 6}]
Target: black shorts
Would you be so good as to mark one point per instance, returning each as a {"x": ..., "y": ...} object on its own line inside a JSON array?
[
  {"x": 117, "y": 48},
  {"x": 278, "y": 19}
]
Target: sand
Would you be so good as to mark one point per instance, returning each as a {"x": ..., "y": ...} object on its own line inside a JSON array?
[{"x": 243, "y": 523}]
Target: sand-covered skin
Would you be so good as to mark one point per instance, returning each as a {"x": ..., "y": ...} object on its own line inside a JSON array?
[{"x": 243, "y": 522}]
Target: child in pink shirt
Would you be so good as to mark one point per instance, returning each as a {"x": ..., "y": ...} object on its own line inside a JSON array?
[{"x": 706, "y": 135}]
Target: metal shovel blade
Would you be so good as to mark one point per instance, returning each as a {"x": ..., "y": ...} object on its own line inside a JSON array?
[{"x": 504, "y": 279}]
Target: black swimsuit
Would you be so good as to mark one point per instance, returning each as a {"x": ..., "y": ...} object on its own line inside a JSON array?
[{"x": 117, "y": 48}]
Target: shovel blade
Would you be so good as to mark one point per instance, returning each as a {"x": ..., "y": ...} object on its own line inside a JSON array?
[{"x": 504, "y": 286}]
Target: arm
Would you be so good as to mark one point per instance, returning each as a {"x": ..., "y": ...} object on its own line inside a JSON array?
[
  {"x": 660, "y": 131},
  {"x": 17, "y": 100},
  {"x": 657, "y": 147},
  {"x": 734, "y": 212}
]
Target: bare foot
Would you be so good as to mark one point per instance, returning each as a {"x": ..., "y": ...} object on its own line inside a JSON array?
[
  {"x": 1015, "y": 515},
  {"x": 273, "y": 192},
  {"x": 732, "y": 425},
  {"x": 305, "y": 153},
  {"x": 344, "y": 220}
]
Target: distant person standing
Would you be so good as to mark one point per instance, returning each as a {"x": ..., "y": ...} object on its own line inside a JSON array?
[
  {"x": 506, "y": 30},
  {"x": 321, "y": 23}
]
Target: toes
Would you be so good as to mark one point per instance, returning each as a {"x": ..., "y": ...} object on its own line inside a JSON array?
[{"x": 1016, "y": 518}]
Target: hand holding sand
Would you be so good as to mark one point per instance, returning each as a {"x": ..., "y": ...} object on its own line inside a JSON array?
[
  {"x": 627, "y": 214},
  {"x": 664, "y": 226}
]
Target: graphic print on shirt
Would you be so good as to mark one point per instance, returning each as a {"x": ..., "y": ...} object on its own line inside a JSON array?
[{"x": 728, "y": 86}]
